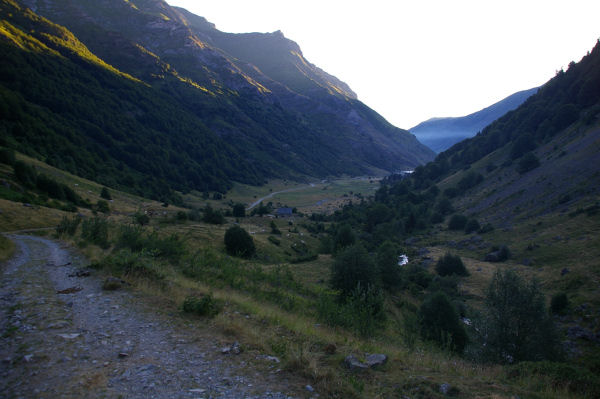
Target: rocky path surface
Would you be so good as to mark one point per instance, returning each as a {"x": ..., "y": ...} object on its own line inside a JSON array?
[{"x": 89, "y": 343}]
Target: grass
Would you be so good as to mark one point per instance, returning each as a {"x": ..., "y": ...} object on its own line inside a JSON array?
[
  {"x": 268, "y": 303},
  {"x": 7, "y": 248}
]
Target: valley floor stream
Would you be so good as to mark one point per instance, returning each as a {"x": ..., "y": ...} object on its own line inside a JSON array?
[{"x": 62, "y": 336}]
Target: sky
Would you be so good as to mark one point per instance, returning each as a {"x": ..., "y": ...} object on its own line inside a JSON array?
[{"x": 413, "y": 60}]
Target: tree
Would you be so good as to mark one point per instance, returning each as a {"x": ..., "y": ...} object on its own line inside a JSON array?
[
  {"x": 471, "y": 226},
  {"x": 516, "y": 325},
  {"x": 451, "y": 264},
  {"x": 105, "y": 194},
  {"x": 344, "y": 238},
  {"x": 353, "y": 268},
  {"x": 387, "y": 262},
  {"x": 439, "y": 323},
  {"x": 239, "y": 211},
  {"x": 527, "y": 163},
  {"x": 212, "y": 216},
  {"x": 239, "y": 243},
  {"x": 457, "y": 222}
]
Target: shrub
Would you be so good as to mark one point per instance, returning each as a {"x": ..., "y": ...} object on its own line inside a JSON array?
[
  {"x": 104, "y": 193},
  {"x": 131, "y": 237},
  {"x": 527, "y": 163},
  {"x": 102, "y": 206},
  {"x": 141, "y": 218},
  {"x": 439, "y": 323},
  {"x": 451, "y": 192},
  {"x": 274, "y": 229},
  {"x": 274, "y": 240},
  {"x": 559, "y": 303},
  {"x": 344, "y": 237},
  {"x": 68, "y": 226},
  {"x": 7, "y": 156},
  {"x": 362, "y": 311},
  {"x": 486, "y": 228},
  {"x": 206, "y": 305},
  {"x": 213, "y": 217},
  {"x": 239, "y": 211},
  {"x": 387, "y": 262},
  {"x": 181, "y": 216},
  {"x": 516, "y": 325},
  {"x": 95, "y": 231},
  {"x": 457, "y": 222},
  {"x": 353, "y": 268},
  {"x": 239, "y": 243},
  {"x": 470, "y": 180},
  {"x": 450, "y": 264},
  {"x": 471, "y": 226},
  {"x": 25, "y": 174}
]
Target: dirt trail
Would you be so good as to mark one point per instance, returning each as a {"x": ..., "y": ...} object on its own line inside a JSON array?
[{"x": 93, "y": 343}]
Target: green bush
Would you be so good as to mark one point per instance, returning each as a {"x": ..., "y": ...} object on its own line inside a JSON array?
[
  {"x": 450, "y": 264},
  {"x": 527, "y": 163},
  {"x": 353, "y": 268},
  {"x": 25, "y": 174},
  {"x": 439, "y": 323},
  {"x": 274, "y": 240},
  {"x": 387, "y": 262},
  {"x": 7, "y": 156},
  {"x": 274, "y": 229},
  {"x": 141, "y": 218},
  {"x": 472, "y": 226},
  {"x": 362, "y": 311},
  {"x": 239, "y": 243},
  {"x": 213, "y": 217},
  {"x": 95, "y": 231},
  {"x": 239, "y": 211},
  {"x": 559, "y": 303},
  {"x": 126, "y": 263},
  {"x": 104, "y": 193},
  {"x": 68, "y": 226},
  {"x": 344, "y": 237},
  {"x": 515, "y": 325},
  {"x": 206, "y": 305},
  {"x": 486, "y": 228},
  {"x": 457, "y": 222},
  {"x": 102, "y": 206}
]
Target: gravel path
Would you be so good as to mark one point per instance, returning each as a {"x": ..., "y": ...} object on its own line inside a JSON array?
[{"x": 109, "y": 344}]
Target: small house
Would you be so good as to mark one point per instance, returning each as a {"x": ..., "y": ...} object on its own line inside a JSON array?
[{"x": 284, "y": 212}]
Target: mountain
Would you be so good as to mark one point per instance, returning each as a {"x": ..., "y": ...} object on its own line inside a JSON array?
[
  {"x": 439, "y": 134},
  {"x": 117, "y": 84},
  {"x": 539, "y": 158}
]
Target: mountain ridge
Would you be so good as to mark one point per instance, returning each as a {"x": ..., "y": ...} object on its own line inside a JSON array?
[
  {"x": 440, "y": 133},
  {"x": 309, "y": 130}
]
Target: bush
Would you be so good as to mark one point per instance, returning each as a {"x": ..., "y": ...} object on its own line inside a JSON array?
[
  {"x": 239, "y": 243},
  {"x": 470, "y": 180},
  {"x": 68, "y": 226},
  {"x": 274, "y": 229},
  {"x": 95, "y": 231},
  {"x": 213, "y": 217},
  {"x": 239, "y": 211},
  {"x": 7, "y": 156},
  {"x": 439, "y": 323},
  {"x": 274, "y": 240},
  {"x": 471, "y": 226},
  {"x": 25, "y": 174},
  {"x": 104, "y": 193},
  {"x": 527, "y": 163},
  {"x": 516, "y": 325},
  {"x": 486, "y": 228},
  {"x": 362, "y": 311},
  {"x": 203, "y": 306},
  {"x": 344, "y": 237},
  {"x": 102, "y": 206},
  {"x": 457, "y": 222},
  {"x": 353, "y": 268},
  {"x": 181, "y": 216},
  {"x": 141, "y": 218},
  {"x": 387, "y": 263},
  {"x": 559, "y": 303},
  {"x": 450, "y": 264}
]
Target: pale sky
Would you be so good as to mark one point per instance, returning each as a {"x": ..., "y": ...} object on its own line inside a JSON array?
[{"x": 413, "y": 60}]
